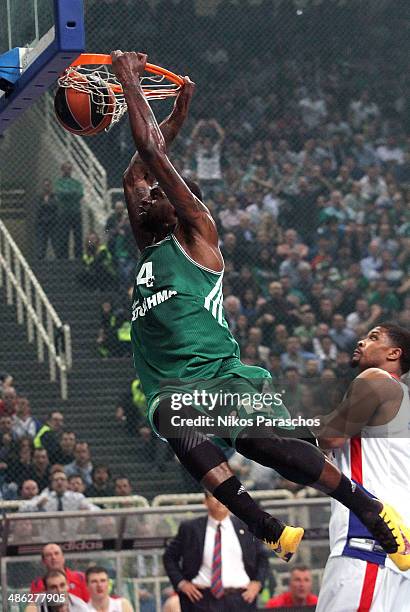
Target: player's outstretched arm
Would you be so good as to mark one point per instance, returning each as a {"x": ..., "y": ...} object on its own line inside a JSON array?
[
  {"x": 171, "y": 126},
  {"x": 372, "y": 395},
  {"x": 151, "y": 146},
  {"x": 137, "y": 179}
]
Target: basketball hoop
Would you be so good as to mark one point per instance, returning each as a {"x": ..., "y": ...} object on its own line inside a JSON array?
[{"x": 159, "y": 84}]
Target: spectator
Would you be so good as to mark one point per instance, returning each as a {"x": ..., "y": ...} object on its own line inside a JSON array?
[
  {"x": 344, "y": 370},
  {"x": 7, "y": 436},
  {"x": 109, "y": 327},
  {"x": 231, "y": 216},
  {"x": 207, "y": 138},
  {"x": 355, "y": 201},
  {"x": 389, "y": 269},
  {"x": 82, "y": 463},
  {"x": 57, "y": 582},
  {"x": 363, "y": 110},
  {"x": 28, "y": 490},
  {"x": 76, "y": 483},
  {"x": 307, "y": 330},
  {"x": 295, "y": 356},
  {"x": 389, "y": 151},
  {"x": 371, "y": 264},
  {"x": 188, "y": 561},
  {"x": 39, "y": 469},
  {"x": 52, "y": 558},
  {"x": 131, "y": 407},
  {"x": 19, "y": 463},
  {"x": 277, "y": 310},
  {"x": 242, "y": 327},
  {"x": 313, "y": 107},
  {"x": 6, "y": 382},
  {"x": 246, "y": 238},
  {"x": 98, "y": 584},
  {"x": 101, "y": 482},
  {"x": 364, "y": 317},
  {"x": 373, "y": 185},
  {"x": 47, "y": 221},
  {"x": 8, "y": 401},
  {"x": 58, "y": 498},
  {"x": 291, "y": 267},
  {"x": 325, "y": 350},
  {"x": 122, "y": 487},
  {"x": 24, "y": 424},
  {"x": 65, "y": 452},
  {"x": 280, "y": 340},
  {"x": 326, "y": 310},
  {"x": 255, "y": 338},
  {"x": 121, "y": 245},
  {"x": 343, "y": 337},
  {"x": 385, "y": 298},
  {"x": 312, "y": 369},
  {"x": 300, "y": 591},
  {"x": 385, "y": 240},
  {"x": 97, "y": 265},
  {"x": 69, "y": 193},
  {"x": 232, "y": 308},
  {"x": 250, "y": 356},
  {"x": 49, "y": 434},
  {"x": 336, "y": 209},
  {"x": 231, "y": 250},
  {"x": 291, "y": 242},
  {"x": 293, "y": 394}
]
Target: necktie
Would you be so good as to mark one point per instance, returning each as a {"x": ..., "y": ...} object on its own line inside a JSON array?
[
  {"x": 60, "y": 503},
  {"x": 216, "y": 579}
]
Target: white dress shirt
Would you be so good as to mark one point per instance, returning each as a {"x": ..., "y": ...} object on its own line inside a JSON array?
[
  {"x": 71, "y": 501},
  {"x": 234, "y": 575}
]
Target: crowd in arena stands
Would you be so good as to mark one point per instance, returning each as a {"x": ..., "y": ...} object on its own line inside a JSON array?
[
  {"x": 44, "y": 464},
  {"x": 306, "y": 171},
  {"x": 314, "y": 225},
  {"x": 96, "y": 588}
]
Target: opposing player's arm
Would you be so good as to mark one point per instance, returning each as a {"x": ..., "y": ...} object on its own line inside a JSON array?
[
  {"x": 366, "y": 396},
  {"x": 136, "y": 180},
  {"x": 151, "y": 146}
]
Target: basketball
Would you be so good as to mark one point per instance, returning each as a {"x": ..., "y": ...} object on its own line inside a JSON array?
[{"x": 85, "y": 111}]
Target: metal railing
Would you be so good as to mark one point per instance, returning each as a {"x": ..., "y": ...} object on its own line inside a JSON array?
[
  {"x": 44, "y": 326},
  {"x": 128, "y": 500},
  {"x": 119, "y": 547},
  {"x": 88, "y": 170}
]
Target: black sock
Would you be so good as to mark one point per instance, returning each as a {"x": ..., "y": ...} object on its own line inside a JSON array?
[
  {"x": 232, "y": 494},
  {"x": 354, "y": 498}
]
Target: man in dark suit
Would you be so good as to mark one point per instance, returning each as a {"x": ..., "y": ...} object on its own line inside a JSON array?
[{"x": 215, "y": 563}]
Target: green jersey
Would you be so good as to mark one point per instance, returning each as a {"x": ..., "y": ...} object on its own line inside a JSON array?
[{"x": 179, "y": 331}]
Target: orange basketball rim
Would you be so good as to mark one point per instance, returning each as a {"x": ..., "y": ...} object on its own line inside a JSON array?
[
  {"x": 157, "y": 83},
  {"x": 157, "y": 90}
]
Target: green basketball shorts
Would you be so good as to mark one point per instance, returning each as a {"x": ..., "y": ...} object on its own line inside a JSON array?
[{"x": 239, "y": 396}]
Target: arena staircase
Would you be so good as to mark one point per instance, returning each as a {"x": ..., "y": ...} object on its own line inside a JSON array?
[
  {"x": 95, "y": 385},
  {"x": 19, "y": 358}
]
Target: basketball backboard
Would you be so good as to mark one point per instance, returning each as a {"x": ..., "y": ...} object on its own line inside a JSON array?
[{"x": 38, "y": 40}]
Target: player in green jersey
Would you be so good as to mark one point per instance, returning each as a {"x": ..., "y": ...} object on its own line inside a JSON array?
[{"x": 180, "y": 337}]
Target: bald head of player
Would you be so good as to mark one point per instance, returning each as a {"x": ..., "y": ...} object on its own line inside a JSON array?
[
  {"x": 386, "y": 346},
  {"x": 157, "y": 214}
]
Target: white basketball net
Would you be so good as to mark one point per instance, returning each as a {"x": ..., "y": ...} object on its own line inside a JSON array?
[{"x": 100, "y": 80}]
